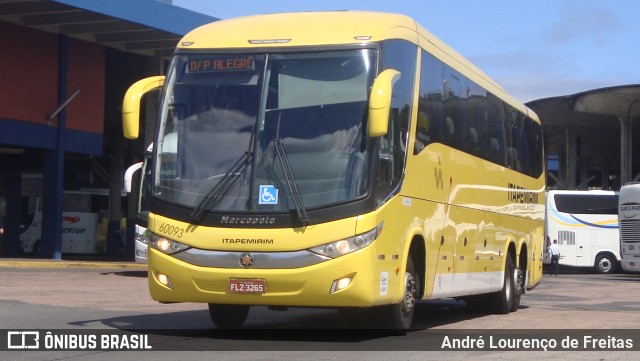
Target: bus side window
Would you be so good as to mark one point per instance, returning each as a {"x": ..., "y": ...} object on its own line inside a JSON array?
[{"x": 401, "y": 56}]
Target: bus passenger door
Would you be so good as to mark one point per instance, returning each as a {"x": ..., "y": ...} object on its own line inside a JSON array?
[{"x": 584, "y": 249}]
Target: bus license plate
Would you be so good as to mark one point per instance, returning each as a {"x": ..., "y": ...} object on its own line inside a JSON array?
[{"x": 247, "y": 285}]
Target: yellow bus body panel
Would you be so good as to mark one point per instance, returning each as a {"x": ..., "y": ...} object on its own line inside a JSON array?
[{"x": 375, "y": 269}]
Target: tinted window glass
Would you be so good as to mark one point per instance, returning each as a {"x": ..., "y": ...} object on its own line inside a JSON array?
[
  {"x": 586, "y": 204},
  {"x": 455, "y": 111}
]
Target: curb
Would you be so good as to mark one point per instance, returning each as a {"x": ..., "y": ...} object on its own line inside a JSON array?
[{"x": 42, "y": 263}]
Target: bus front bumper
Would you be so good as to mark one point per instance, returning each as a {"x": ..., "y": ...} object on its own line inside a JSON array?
[{"x": 358, "y": 279}]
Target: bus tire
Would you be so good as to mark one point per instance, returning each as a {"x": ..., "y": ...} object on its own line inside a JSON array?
[
  {"x": 397, "y": 318},
  {"x": 503, "y": 301},
  {"x": 228, "y": 316},
  {"x": 605, "y": 264}
]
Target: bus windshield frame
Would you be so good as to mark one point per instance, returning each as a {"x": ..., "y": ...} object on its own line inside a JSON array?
[{"x": 219, "y": 110}]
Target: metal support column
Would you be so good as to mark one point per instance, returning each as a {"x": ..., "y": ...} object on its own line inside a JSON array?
[{"x": 51, "y": 237}]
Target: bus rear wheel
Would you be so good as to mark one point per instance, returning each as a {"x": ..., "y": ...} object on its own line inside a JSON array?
[
  {"x": 508, "y": 299},
  {"x": 228, "y": 316}
]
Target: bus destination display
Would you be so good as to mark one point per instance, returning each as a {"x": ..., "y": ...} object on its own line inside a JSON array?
[{"x": 221, "y": 64}]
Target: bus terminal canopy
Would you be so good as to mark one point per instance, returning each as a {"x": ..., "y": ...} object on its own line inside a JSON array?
[
  {"x": 592, "y": 134},
  {"x": 147, "y": 27}
]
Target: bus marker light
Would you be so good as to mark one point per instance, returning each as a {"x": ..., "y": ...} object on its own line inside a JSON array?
[{"x": 269, "y": 41}]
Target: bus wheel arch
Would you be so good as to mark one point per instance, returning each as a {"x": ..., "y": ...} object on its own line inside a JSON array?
[
  {"x": 606, "y": 262},
  {"x": 417, "y": 252},
  {"x": 522, "y": 267},
  {"x": 397, "y": 318}
]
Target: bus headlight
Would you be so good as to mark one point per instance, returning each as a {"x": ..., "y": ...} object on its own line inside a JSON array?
[
  {"x": 165, "y": 245},
  {"x": 348, "y": 245}
]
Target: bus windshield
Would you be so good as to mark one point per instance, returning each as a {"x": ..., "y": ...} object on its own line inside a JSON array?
[{"x": 232, "y": 124}]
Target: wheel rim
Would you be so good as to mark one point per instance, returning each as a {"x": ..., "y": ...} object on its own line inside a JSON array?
[
  {"x": 409, "y": 294},
  {"x": 518, "y": 281},
  {"x": 604, "y": 264},
  {"x": 507, "y": 286}
]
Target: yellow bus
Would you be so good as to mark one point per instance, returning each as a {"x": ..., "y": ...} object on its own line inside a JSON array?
[{"x": 346, "y": 160}]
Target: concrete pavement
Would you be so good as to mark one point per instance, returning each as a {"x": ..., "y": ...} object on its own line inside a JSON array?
[{"x": 52, "y": 263}]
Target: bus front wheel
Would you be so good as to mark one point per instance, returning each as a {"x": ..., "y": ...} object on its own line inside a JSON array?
[
  {"x": 228, "y": 316},
  {"x": 397, "y": 318}
]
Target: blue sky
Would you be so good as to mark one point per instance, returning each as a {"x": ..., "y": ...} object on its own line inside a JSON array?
[{"x": 534, "y": 48}]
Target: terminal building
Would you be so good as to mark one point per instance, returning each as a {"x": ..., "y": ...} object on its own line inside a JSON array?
[
  {"x": 67, "y": 64},
  {"x": 64, "y": 71},
  {"x": 589, "y": 138}
]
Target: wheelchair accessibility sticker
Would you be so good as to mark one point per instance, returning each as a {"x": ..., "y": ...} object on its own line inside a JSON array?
[{"x": 268, "y": 195}]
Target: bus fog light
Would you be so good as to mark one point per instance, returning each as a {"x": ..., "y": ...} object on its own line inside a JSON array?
[
  {"x": 164, "y": 280},
  {"x": 340, "y": 284}
]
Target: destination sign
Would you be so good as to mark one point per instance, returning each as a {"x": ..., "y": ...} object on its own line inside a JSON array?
[{"x": 221, "y": 64}]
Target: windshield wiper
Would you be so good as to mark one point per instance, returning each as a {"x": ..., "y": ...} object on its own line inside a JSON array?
[
  {"x": 291, "y": 182},
  {"x": 221, "y": 187}
]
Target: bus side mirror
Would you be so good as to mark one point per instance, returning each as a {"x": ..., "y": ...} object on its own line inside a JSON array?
[
  {"x": 128, "y": 176},
  {"x": 380, "y": 102},
  {"x": 131, "y": 104}
]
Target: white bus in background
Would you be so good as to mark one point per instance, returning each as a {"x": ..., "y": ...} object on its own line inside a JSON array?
[
  {"x": 629, "y": 217},
  {"x": 84, "y": 226},
  {"x": 585, "y": 223}
]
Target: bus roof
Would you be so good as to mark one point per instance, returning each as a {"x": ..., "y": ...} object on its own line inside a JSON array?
[
  {"x": 309, "y": 29},
  {"x": 301, "y": 29}
]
